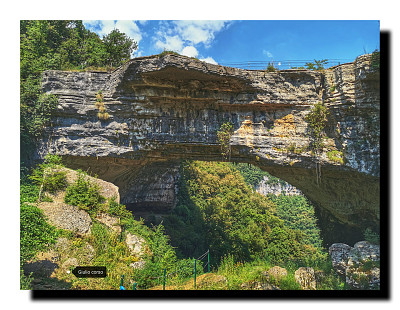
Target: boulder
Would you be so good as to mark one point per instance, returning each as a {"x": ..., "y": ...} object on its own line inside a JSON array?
[
  {"x": 276, "y": 272},
  {"x": 306, "y": 278},
  {"x": 359, "y": 265},
  {"x": 67, "y": 217},
  {"x": 339, "y": 253},
  {"x": 136, "y": 244}
]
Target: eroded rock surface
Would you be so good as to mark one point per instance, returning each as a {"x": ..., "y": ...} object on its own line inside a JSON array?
[{"x": 164, "y": 109}]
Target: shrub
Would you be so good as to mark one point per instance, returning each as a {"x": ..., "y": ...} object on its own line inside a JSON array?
[
  {"x": 271, "y": 68},
  {"x": 103, "y": 116},
  {"x": 35, "y": 233},
  {"x": 83, "y": 193},
  {"x": 336, "y": 156},
  {"x": 49, "y": 175}
]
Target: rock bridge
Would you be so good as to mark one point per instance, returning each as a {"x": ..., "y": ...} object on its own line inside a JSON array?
[{"x": 161, "y": 110}]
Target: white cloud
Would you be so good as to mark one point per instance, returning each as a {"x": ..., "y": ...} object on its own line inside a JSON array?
[
  {"x": 130, "y": 28},
  {"x": 198, "y": 31},
  {"x": 190, "y": 51},
  {"x": 267, "y": 53},
  {"x": 170, "y": 43},
  {"x": 172, "y": 34},
  {"x": 104, "y": 27},
  {"x": 209, "y": 60}
]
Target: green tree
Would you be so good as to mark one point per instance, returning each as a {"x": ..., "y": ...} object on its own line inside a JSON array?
[
  {"x": 317, "y": 120},
  {"x": 224, "y": 135},
  {"x": 317, "y": 64},
  {"x": 119, "y": 47}
]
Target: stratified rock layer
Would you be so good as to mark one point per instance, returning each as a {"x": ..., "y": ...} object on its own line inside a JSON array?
[{"x": 165, "y": 109}]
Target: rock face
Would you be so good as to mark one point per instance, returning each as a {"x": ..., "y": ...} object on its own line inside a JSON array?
[
  {"x": 359, "y": 264},
  {"x": 164, "y": 109}
]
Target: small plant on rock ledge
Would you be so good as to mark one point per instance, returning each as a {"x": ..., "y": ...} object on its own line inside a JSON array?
[{"x": 102, "y": 114}]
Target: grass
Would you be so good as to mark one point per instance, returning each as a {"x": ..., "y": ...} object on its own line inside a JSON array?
[{"x": 167, "y": 53}]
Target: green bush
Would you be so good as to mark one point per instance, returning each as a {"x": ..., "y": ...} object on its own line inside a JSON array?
[
  {"x": 119, "y": 210},
  {"x": 35, "y": 233},
  {"x": 29, "y": 192},
  {"x": 83, "y": 193},
  {"x": 376, "y": 60},
  {"x": 49, "y": 175}
]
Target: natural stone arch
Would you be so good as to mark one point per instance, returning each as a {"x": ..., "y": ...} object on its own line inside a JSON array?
[{"x": 165, "y": 109}]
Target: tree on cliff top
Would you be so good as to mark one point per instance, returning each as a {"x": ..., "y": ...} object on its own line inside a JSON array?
[{"x": 119, "y": 47}]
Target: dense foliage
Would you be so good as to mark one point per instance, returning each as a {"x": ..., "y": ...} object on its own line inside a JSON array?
[
  {"x": 219, "y": 211},
  {"x": 36, "y": 233},
  {"x": 84, "y": 193},
  {"x": 58, "y": 45},
  {"x": 298, "y": 213}
]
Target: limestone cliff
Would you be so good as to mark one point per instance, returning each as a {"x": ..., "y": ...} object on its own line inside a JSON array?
[{"x": 164, "y": 109}]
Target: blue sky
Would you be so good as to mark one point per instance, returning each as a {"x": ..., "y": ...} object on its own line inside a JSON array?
[
  {"x": 227, "y": 42},
  {"x": 238, "y": 41}
]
